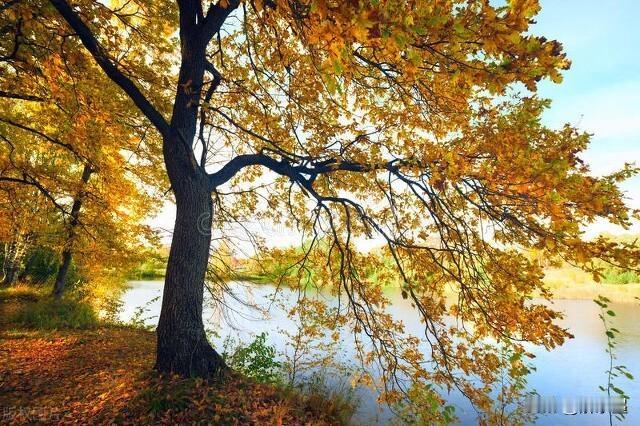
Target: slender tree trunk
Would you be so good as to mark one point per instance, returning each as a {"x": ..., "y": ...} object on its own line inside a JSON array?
[
  {"x": 67, "y": 253},
  {"x": 14, "y": 253},
  {"x": 61, "y": 278}
]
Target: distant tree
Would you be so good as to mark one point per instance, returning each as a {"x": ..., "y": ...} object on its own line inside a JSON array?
[
  {"x": 81, "y": 153},
  {"x": 25, "y": 224},
  {"x": 404, "y": 120}
]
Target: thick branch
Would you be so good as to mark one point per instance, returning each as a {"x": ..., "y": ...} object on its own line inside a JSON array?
[
  {"x": 102, "y": 58},
  {"x": 216, "y": 15},
  {"x": 295, "y": 172}
]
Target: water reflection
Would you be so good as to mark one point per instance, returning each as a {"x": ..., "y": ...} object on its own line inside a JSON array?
[{"x": 575, "y": 369}]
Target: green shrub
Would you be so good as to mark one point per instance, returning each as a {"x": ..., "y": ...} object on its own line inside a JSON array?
[
  {"x": 325, "y": 392},
  {"x": 257, "y": 360},
  {"x": 49, "y": 314},
  {"x": 620, "y": 276},
  {"x": 42, "y": 266}
]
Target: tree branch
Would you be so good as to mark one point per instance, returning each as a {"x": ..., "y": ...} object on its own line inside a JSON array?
[
  {"x": 216, "y": 15},
  {"x": 296, "y": 172},
  {"x": 20, "y": 96},
  {"x": 44, "y": 136},
  {"x": 102, "y": 58},
  {"x": 30, "y": 180}
]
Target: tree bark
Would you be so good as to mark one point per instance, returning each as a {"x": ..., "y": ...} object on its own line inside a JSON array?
[
  {"x": 67, "y": 253},
  {"x": 61, "y": 278},
  {"x": 10, "y": 277},
  {"x": 182, "y": 345}
]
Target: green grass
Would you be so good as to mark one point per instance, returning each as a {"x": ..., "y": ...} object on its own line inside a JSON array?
[
  {"x": 620, "y": 277},
  {"x": 21, "y": 292},
  {"x": 52, "y": 314}
]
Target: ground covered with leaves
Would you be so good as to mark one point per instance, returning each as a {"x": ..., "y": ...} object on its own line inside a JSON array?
[{"x": 104, "y": 376}]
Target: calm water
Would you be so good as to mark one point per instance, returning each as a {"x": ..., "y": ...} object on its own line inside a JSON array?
[{"x": 575, "y": 369}]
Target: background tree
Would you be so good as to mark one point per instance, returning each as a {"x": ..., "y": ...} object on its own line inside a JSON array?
[
  {"x": 416, "y": 122},
  {"x": 24, "y": 225},
  {"x": 75, "y": 146}
]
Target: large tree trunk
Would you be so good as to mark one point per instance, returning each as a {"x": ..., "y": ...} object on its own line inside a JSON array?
[
  {"x": 61, "y": 278},
  {"x": 182, "y": 345}
]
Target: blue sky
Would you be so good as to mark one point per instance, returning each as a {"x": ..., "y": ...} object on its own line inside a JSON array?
[{"x": 601, "y": 91}]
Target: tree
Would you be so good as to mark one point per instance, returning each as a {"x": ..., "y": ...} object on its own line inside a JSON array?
[
  {"x": 413, "y": 121},
  {"x": 25, "y": 224},
  {"x": 67, "y": 253},
  {"x": 59, "y": 128}
]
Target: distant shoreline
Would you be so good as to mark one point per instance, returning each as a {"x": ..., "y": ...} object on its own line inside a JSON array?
[{"x": 619, "y": 293}]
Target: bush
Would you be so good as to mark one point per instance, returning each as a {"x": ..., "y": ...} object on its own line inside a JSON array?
[
  {"x": 257, "y": 360},
  {"x": 42, "y": 266},
  {"x": 49, "y": 314},
  {"x": 324, "y": 392},
  {"x": 620, "y": 276}
]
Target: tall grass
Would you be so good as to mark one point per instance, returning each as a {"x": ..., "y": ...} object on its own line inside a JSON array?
[
  {"x": 21, "y": 292},
  {"x": 51, "y": 314}
]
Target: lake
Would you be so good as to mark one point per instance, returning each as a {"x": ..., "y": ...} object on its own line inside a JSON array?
[{"x": 575, "y": 369}]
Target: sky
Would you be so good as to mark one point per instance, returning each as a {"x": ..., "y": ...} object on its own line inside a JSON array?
[{"x": 600, "y": 94}]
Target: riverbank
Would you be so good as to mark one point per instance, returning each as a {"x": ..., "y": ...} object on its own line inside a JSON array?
[
  {"x": 104, "y": 375},
  {"x": 572, "y": 283},
  {"x": 562, "y": 288},
  {"x": 620, "y": 293}
]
